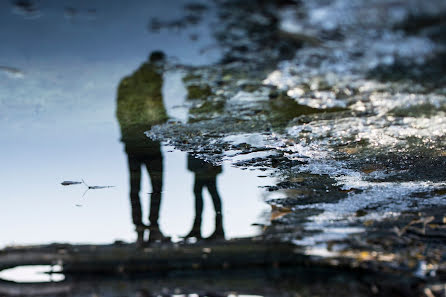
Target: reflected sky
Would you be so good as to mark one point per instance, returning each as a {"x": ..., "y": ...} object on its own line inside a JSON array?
[
  {"x": 32, "y": 274},
  {"x": 57, "y": 122}
]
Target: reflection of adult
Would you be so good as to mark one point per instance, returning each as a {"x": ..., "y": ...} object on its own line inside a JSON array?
[
  {"x": 140, "y": 106},
  {"x": 205, "y": 176}
]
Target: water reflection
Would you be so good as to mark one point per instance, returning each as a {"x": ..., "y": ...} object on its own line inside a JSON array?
[
  {"x": 83, "y": 144},
  {"x": 140, "y": 106},
  {"x": 249, "y": 283},
  {"x": 205, "y": 176}
]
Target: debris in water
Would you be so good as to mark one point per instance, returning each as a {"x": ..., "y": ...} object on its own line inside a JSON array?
[
  {"x": 94, "y": 187},
  {"x": 278, "y": 212},
  {"x": 69, "y": 183},
  {"x": 70, "y": 13},
  {"x": 196, "y": 7},
  {"x": 12, "y": 72},
  {"x": 422, "y": 230},
  {"x": 26, "y": 8}
]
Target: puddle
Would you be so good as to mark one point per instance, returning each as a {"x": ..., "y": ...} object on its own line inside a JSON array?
[
  {"x": 316, "y": 124},
  {"x": 82, "y": 192},
  {"x": 79, "y": 209}
]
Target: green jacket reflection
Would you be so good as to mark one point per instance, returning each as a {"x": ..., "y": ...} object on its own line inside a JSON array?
[{"x": 140, "y": 103}]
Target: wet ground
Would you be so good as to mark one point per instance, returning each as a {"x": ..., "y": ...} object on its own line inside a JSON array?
[{"x": 320, "y": 125}]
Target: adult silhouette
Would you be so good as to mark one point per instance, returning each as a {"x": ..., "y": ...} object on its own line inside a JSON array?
[{"x": 139, "y": 107}]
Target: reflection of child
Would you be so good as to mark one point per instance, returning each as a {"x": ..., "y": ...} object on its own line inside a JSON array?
[
  {"x": 205, "y": 176},
  {"x": 202, "y": 168}
]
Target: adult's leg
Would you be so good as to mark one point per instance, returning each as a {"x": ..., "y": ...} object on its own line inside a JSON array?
[
  {"x": 135, "y": 184},
  {"x": 154, "y": 167}
]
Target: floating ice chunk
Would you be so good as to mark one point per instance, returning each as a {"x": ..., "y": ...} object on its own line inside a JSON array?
[
  {"x": 253, "y": 139},
  {"x": 296, "y": 92},
  {"x": 322, "y": 102},
  {"x": 250, "y": 156},
  {"x": 243, "y": 96},
  {"x": 330, "y": 233}
]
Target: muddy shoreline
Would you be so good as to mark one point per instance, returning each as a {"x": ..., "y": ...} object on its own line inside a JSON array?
[{"x": 239, "y": 265}]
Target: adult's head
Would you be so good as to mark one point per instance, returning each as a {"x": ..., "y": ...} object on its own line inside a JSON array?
[{"x": 157, "y": 57}]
